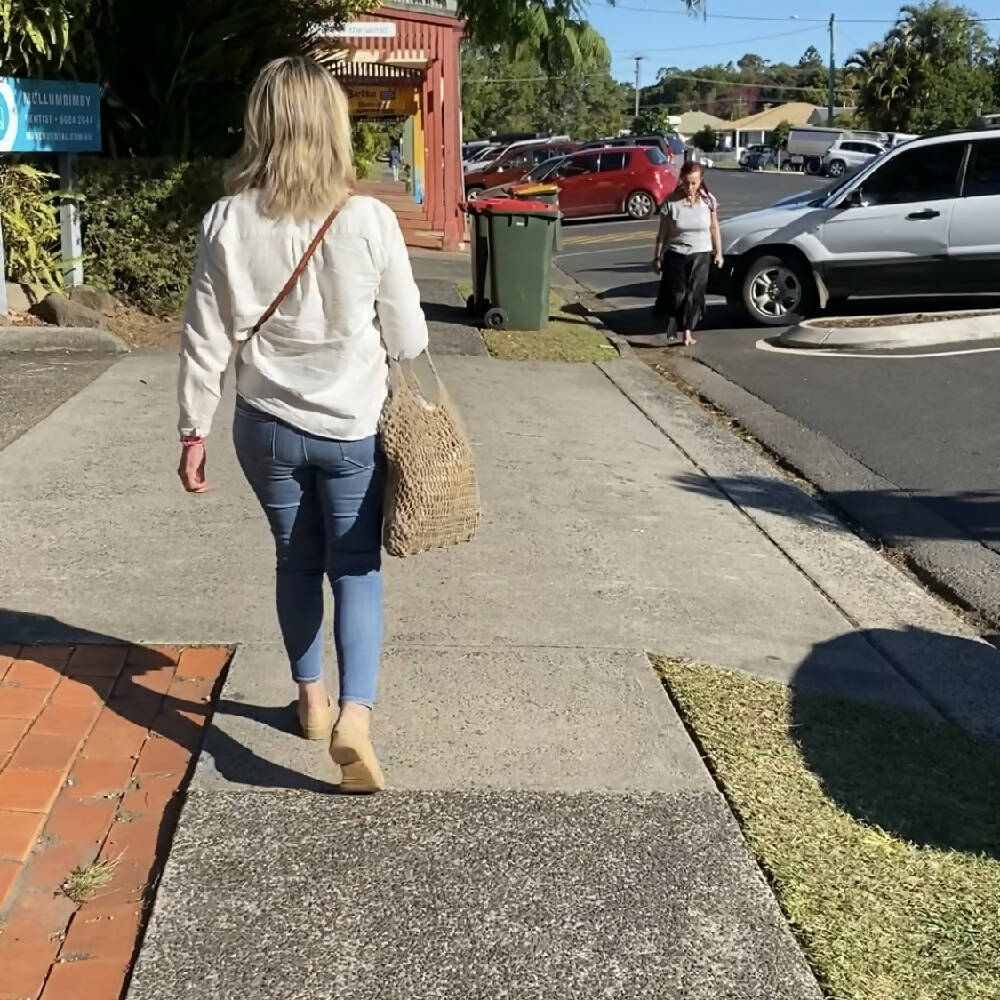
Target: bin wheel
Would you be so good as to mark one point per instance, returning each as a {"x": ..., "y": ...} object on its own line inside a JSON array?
[
  {"x": 496, "y": 319},
  {"x": 470, "y": 305}
]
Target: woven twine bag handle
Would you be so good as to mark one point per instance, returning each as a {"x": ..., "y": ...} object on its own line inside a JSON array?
[
  {"x": 398, "y": 376},
  {"x": 296, "y": 274}
]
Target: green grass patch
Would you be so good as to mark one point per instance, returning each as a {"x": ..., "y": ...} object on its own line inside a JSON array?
[
  {"x": 879, "y": 830},
  {"x": 568, "y": 337},
  {"x": 86, "y": 881}
]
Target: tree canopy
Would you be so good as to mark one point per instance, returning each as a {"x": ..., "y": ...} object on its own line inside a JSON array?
[
  {"x": 935, "y": 68},
  {"x": 732, "y": 90},
  {"x": 555, "y": 31},
  {"x": 504, "y": 93}
]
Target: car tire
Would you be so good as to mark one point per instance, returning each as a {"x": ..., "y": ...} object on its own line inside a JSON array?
[
  {"x": 836, "y": 168},
  {"x": 472, "y": 193},
  {"x": 778, "y": 289},
  {"x": 640, "y": 205},
  {"x": 814, "y": 166}
]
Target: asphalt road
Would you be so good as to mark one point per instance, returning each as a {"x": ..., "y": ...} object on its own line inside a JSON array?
[{"x": 925, "y": 424}]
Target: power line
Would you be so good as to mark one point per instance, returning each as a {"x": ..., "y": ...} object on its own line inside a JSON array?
[
  {"x": 748, "y": 83},
  {"x": 735, "y": 41},
  {"x": 760, "y": 17}
]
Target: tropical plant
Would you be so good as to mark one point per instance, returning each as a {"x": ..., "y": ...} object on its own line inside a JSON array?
[
  {"x": 30, "y": 219},
  {"x": 36, "y": 34},
  {"x": 180, "y": 90},
  {"x": 933, "y": 69},
  {"x": 553, "y": 30},
  {"x": 514, "y": 94}
]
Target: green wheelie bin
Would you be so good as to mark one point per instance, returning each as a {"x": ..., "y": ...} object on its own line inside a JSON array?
[
  {"x": 479, "y": 251},
  {"x": 541, "y": 191},
  {"x": 520, "y": 237}
]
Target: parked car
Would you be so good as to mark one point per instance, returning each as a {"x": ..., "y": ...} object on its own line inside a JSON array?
[
  {"x": 758, "y": 149},
  {"x": 512, "y": 165},
  {"x": 633, "y": 181},
  {"x": 848, "y": 154},
  {"x": 478, "y": 157},
  {"x": 670, "y": 144},
  {"x": 922, "y": 216}
]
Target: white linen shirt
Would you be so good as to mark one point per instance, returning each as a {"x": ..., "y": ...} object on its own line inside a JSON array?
[{"x": 319, "y": 362}]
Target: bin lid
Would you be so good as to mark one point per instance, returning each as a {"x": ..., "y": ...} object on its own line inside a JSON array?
[
  {"x": 512, "y": 206},
  {"x": 521, "y": 190}
]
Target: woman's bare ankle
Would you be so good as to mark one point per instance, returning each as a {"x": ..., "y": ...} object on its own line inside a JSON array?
[
  {"x": 355, "y": 714},
  {"x": 313, "y": 694}
]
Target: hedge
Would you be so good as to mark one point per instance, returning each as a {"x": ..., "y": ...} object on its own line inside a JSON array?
[{"x": 141, "y": 221}]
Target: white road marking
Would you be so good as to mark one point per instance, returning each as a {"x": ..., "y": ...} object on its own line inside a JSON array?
[{"x": 763, "y": 345}]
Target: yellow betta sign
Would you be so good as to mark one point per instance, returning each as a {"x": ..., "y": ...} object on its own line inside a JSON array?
[{"x": 382, "y": 101}]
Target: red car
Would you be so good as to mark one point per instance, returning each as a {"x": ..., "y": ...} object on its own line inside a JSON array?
[
  {"x": 513, "y": 165},
  {"x": 635, "y": 181}
]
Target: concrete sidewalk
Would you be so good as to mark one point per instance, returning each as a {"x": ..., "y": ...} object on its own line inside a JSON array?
[{"x": 550, "y": 829}]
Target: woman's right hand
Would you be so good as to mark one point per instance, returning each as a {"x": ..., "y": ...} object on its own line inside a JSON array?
[
  {"x": 657, "y": 265},
  {"x": 191, "y": 469}
]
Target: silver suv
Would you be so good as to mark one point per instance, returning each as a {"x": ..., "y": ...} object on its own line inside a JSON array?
[
  {"x": 846, "y": 155},
  {"x": 921, "y": 217}
]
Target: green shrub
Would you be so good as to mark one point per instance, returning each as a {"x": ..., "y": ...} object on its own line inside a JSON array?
[
  {"x": 29, "y": 214},
  {"x": 141, "y": 224}
]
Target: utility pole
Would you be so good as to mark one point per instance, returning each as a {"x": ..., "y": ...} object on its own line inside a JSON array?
[
  {"x": 833, "y": 74},
  {"x": 638, "y": 61}
]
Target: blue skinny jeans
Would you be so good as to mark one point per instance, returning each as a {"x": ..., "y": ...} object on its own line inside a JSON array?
[{"x": 323, "y": 500}]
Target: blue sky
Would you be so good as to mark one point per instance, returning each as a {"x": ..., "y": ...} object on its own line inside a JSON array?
[{"x": 661, "y": 31}]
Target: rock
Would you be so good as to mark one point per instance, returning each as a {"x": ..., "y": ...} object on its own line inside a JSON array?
[
  {"x": 94, "y": 298},
  {"x": 61, "y": 311}
]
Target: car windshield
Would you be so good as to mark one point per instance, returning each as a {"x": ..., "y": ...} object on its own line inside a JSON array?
[
  {"x": 544, "y": 169},
  {"x": 817, "y": 198}
]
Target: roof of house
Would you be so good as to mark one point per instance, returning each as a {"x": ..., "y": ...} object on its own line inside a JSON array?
[
  {"x": 694, "y": 121},
  {"x": 795, "y": 113}
]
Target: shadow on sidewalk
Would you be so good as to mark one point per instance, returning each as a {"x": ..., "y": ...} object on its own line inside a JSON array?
[
  {"x": 131, "y": 695},
  {"x": 896, "y": 515},
  {"x": 931, "y": 783}
]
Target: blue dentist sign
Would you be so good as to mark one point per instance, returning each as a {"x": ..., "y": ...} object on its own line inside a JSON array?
[{"x": 49, "y": 116}]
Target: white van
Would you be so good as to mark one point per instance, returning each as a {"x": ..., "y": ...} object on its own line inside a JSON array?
[{"x": 923, "y": 217}]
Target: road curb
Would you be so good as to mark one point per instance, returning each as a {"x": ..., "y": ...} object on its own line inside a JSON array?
[
  {"x": 31, "y": 339},
  {"x": 886, "y": 606},
  {"x": 970, "y": 325},
  {"x": 940, "y": 554}
]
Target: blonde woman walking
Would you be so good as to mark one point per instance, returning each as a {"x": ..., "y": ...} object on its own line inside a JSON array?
[{"x": 328, "y": 274}]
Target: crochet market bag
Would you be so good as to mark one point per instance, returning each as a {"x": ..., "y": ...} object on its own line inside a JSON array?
[{"x": 432, "y": 494}]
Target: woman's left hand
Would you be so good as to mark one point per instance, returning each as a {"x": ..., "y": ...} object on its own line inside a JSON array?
[
  {"x": 192, "y": 468},
  {"x": 719, "y": 260}
]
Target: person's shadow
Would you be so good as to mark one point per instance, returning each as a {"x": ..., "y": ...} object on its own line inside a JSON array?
[
  {"x": 135, "y": 694},
  {"x": 927, "y": 781}
]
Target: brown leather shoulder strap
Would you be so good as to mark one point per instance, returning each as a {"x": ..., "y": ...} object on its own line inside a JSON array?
[{"x": 296, "y": 274}]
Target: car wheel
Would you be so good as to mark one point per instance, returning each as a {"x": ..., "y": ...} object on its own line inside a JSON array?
[
  {"x": 640, "y": 205},
  {"x": 778, "y": 290},
  {"x": 836, "y": 168},
  {"x": 473, "y": 193},
  {"x": 814, "y": 166}
]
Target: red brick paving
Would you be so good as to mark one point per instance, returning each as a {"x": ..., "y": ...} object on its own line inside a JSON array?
[{"x": 96, "y": 745}]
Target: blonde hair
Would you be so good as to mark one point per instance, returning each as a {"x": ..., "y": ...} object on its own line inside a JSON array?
[{"x": 296, "y": 143}]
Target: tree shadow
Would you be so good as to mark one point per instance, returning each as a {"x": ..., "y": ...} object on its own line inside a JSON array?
[
  {"x": 896, "y": 516},
  {"x": 136, "y": 693},
  {"x": 930, "y": 782}
]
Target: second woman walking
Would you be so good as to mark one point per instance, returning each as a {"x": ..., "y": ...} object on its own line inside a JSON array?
[{"x": 686, "y": 243}]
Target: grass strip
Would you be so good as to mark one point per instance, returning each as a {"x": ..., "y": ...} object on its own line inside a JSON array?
[
  {"x": 879, "y": 830},
  {"x": 568, "y": 337}
]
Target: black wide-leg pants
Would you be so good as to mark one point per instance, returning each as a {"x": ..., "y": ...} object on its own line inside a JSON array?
[{"x": 683, "y": 280}]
